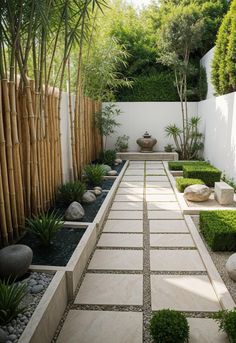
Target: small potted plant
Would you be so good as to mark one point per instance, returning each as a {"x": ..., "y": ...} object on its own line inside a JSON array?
[
  {"x": 169, "y": 148},
  {"x": 122, "y": 143}
]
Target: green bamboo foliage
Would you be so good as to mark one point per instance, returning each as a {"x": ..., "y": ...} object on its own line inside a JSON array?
[{"x": 37, "y": 40}]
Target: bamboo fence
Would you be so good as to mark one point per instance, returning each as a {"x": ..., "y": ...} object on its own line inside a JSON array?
[{"x": 30, "y": 151}]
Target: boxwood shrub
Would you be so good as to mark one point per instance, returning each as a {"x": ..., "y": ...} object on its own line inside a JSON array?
[
  {"x": 178, "y": 165},
  {"x": 169, "y": 326},
  {"x": 207, "y": 173},
  {"x": 219, "y": 229},
  {"x": 182, "y": 183}
]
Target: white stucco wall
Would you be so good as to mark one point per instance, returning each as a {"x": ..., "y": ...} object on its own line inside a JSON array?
[
  {"x": 138, "y": 117},
  {"x": 206, "y": 62},
  {"x": 219, "y": 126}
]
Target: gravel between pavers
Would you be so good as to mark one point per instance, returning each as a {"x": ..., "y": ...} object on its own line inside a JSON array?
[
  {"x": 219, "y": 259},
  {"x": 37, "y": 284}
]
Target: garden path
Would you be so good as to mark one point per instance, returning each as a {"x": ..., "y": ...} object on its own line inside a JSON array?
[{"x": 145, "y": 260}]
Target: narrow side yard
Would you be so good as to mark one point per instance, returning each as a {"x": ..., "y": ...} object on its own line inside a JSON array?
[{"x": 145, "y": 260}]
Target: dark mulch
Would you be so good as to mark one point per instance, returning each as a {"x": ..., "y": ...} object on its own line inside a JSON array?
[{"x": 61, "y": 250}]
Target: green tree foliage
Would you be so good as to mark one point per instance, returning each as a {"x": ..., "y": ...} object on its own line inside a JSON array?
[{"x": 224, "y": 61}]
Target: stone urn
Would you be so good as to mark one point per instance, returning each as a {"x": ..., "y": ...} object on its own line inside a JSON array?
[{"x": 146, "y": 143}]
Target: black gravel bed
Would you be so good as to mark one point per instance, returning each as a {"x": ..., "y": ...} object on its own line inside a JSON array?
[
  {"x": 117, "y": 168},
  {"x": 105, "y": 185},
  {"x": 61, "y": 250},
  {"x": 91, "y": 209}
]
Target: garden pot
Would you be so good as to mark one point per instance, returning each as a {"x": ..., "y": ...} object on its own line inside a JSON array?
[{"x": 146, "y": 143}]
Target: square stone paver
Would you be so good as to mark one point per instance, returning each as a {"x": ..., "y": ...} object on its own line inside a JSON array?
[
  {"x": 123, "y": 226},
  {"x": 183, "y": 293},
  {"x": 111, "y": 289},
  {"x": 160, "y": 206},
  {"x": 205, "y": 330},
  {"x": 129, "y": 197},
  {"x": 176, "y": 260},
  {"x": 161, "y": 197},
  {"x": 138, "y": 178},
  {"x": 159, "y": 191},
  {"x": 157, "y": 178},
  {"x": 132, "y": 184},
  {"x": 102, "y": 326},
  {"x": 125, "y": 215},
  {"x": 170, "y": 240},
  {"x": 154, "y": 167},
  {"x": 136, "y": 166},
  {"x": 128, "y": 206},
  {"x": 165, "y": 215},
  {"x": 158, "y": 184},
  {"x": 130, "y": 190},
  {"x": 134, "y": 172},
  {"x": 117, "y": 240},
  {"x": 168, "y": 226},
  {"x": 117, "y": 260}
]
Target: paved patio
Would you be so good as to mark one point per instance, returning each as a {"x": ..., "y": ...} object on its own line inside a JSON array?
[{"x": 145, "y": 260}]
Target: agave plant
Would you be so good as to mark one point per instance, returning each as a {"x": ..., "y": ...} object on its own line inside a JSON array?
[
  {"x": 45, "y": 226},
  {"x": 94, "y": 174},
  {"x": 71, "y": 191},
  {"x": 11, "y": 295}
]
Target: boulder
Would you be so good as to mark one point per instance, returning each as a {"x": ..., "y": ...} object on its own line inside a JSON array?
[
  {"x": 112, "y": 173},
  {"x": 118, "y": 161},
  {"x": 74, "y": 212},
  {"x": 97, "y": 192},
  {"x": 15, "y": 261},
  {"x": 88, "y": 197},
  {"x": 231, "y": 267},
  {"x": 197, "y": 193},
  {"x": 107, "y": 168},
  {"x": 97, "y": 189}
]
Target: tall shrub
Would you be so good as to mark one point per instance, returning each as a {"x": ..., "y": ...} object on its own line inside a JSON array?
[{"x": 224, "y": 61}]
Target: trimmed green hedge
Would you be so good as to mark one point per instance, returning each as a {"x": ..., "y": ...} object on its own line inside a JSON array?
[
  {"x": 219, "y": 229},
  {"x": 182, "y": 183},
  {"x": 156, "y": 87},
  {"x": 207, "y": 173},
  {"x": 178, "y": 165}
]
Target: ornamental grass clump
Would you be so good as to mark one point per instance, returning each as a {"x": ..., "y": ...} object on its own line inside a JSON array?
[
  {"x": 45, "y": 226},
  {"x": 169, "y": 326},
  {"x": 182, "y": 183},
  {"x": 219, "y": 229},
  {"x": 11, "y": 295},
  {"x": 94, "y": 174},
  {"x": 108, "y": 157},
  {"x": 71, "y": 191},
  {"x": 227, "y": 323}
]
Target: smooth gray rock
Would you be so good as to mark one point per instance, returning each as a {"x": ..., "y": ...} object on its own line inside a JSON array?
[
  {"x": 106, "y": 167},
  {"x": 36, "y": 289},
  {"x": 97, "y": 188},
  {"x": 3, "y": 336},
  {"x": 88, "y": 197},
  {"x": 15, "y": 260},
  {"x": 118, "y": 161},
  {"x": 112, "y": 173},
  {"x": 74, "y": 212},
  {"x": 97, "y": 192},
  {"x": 197, "y": 193},
  {"x": 231, "y": 267}
]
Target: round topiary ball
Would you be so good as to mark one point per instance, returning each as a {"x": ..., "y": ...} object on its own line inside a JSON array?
[{"x": 169, "y": 326}]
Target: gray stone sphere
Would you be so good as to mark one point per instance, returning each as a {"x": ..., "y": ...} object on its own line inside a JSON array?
[
  {"x": 15, "y": 260},
  {"x": 231, "y": 267}
]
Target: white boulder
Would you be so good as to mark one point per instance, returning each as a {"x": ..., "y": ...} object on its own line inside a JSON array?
[
  {"x": 112, "y": 173},
  {"x": 197, "y": 193},
  {"x": 74, "y": 212},
  {"x": 118, "y": 161},
  {"x": 231, "y": 267}
]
